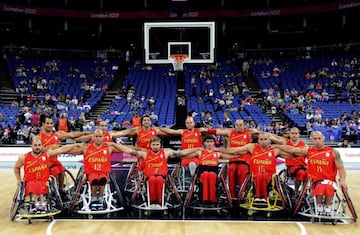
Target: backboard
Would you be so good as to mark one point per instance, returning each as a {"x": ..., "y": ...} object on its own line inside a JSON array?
[{"x": 196, "y": 39}]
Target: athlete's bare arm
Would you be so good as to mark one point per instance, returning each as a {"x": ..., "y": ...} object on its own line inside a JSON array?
[
  {"x": 341, "y": 169},
  {"x": 169, "y": 131},
  {"x": 180, "y": 153},
  {"x": 72, "y": 135},
  {"x": 248, "y": 148}
]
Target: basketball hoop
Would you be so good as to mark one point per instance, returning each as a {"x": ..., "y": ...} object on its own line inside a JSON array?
[{"x": 178, "y": 61}]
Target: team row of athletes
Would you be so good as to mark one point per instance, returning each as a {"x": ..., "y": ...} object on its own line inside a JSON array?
[{"x": 318, "y": 162}]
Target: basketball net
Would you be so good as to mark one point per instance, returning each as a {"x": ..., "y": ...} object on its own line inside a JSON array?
[{"x": 177, "y": 61}]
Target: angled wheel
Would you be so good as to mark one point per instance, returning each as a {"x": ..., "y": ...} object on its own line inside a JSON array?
[
  {"x": 69, "y": 184},
  {"x": 244, "y": 188},
  {"x": 190, "y": 194},
  {"x": 79, "y": 187},
  {"x": 172, "y": 188},
  {"x": 349, "y": 203},
  {"x": 281, "y": 188},
  {"x": 54, "y": 195},
  {"x": 301, "y": 197},
  {"x": 116, "y": 191},
  {"x": 17, "y": 201}
]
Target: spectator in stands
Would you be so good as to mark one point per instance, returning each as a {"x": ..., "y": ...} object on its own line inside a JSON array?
[
  {"x": 62, "y": 123},
  {"x": 227, "y": 123},
  {"x": 7, "y": 134},
  {"x": 151, "y": 103},
  {"x": 344, "y": 144},
  {"x": 349, "y": 133},
  {"x": 154, "y": 118},
  {"x": 2, "y": 119},
  {"x": 220, "y": 104},
  {"x": 208, "y": 121},
  {"x": 26, "y": 131},
  {"x": 35, "y": 117}
]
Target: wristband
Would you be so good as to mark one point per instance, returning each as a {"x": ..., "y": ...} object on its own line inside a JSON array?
[{"x": 212, "y": 131}]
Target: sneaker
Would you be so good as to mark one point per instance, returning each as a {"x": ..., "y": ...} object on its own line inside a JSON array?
[
  {"x": 257, "y": 200},
  {"x": 263, "y": 200},
  {"x": 33, "y": 210},
  {"x": 328, "y": 210},
  {"x": 319, "y": 209},
  {"x": 157, "y": 206},
  {"x": 192, "y": 168}
]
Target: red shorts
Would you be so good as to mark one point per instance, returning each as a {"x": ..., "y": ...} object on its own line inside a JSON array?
[
  {"x": 186, "y": 161},
  {"x": 56, "y": 168},
  {"x": 36, "y": 187},
  {"x": 98, "y": 178},
  {"x": 325, "y": 188}
]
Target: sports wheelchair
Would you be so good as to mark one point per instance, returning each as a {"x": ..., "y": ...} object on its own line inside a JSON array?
[
  {"x": 342, "y": 208},
  {"x": 22, "y": 205},
  {"x": 194, "y": 203},
  {"x": 182, "y": 178},
  {"x": 113, "y": 200},
  {"x": 278, "y": 199},
  {"x": 137, "y": 191}
]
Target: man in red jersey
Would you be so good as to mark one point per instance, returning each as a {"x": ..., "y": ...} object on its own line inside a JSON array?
[
  {"x": 36, "y": 170},
  {"x": 297, "y": 165},
  {"x": 324, "y": 164},
  {"x": 51, "y": 139},
  {"x": 262, "y": 163},
  {"x": 208, "y": 168},
  {"x": 238, "y": 167},
  {"x": 155, "y": 166},
  {"x": 143, "y": 133},
  {"x": 97, "y": 163},
  {"x": 191, "y": 137}
]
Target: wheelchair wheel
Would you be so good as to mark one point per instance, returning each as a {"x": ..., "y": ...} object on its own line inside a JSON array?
[
  {"x": 223, "y": 189},
  {"x": 172, "y": 189},
  {"x": 17, "y": 201},
  {"x": 190, "y": 194},
  {"x": 76, "y": 196},
  {"x": 116, "y": 191},
  {"x": 281, "y": 188},
  {"x": 69, "y": 183},
  {"x": 349, "y": 204},
  {"x": 54, "y": 195},
  {"x": 283, "y": 176},
  {"x": 80, "y": 174},
  {"x": 244, "y": 188},
  {"x": 301, "y": 197}
]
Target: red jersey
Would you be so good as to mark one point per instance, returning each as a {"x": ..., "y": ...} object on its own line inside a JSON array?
[
  {"x": 136, "y": 122},
  {"x": 107, "y": 137},
  {"x": 209, "y": 158},
  {"x": 63, "y": 124},
  {"x": 321, "y": 164},
  {"x": 144, "y": 136},
  {"x": 191, "y": 139},
  {"x": 156, "y": 163},
  {"x": 97, "y": 160},
  {"x": 296, "y": 161},
  {"x": 51, "y": 141},
  {"x": 238, "y": 139},
  {"x": 36, "y": 168},
  {"x": 263, "y": 160}
]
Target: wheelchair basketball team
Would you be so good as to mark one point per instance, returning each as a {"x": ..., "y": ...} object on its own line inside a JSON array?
[{"x": 320, "y": 164}]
